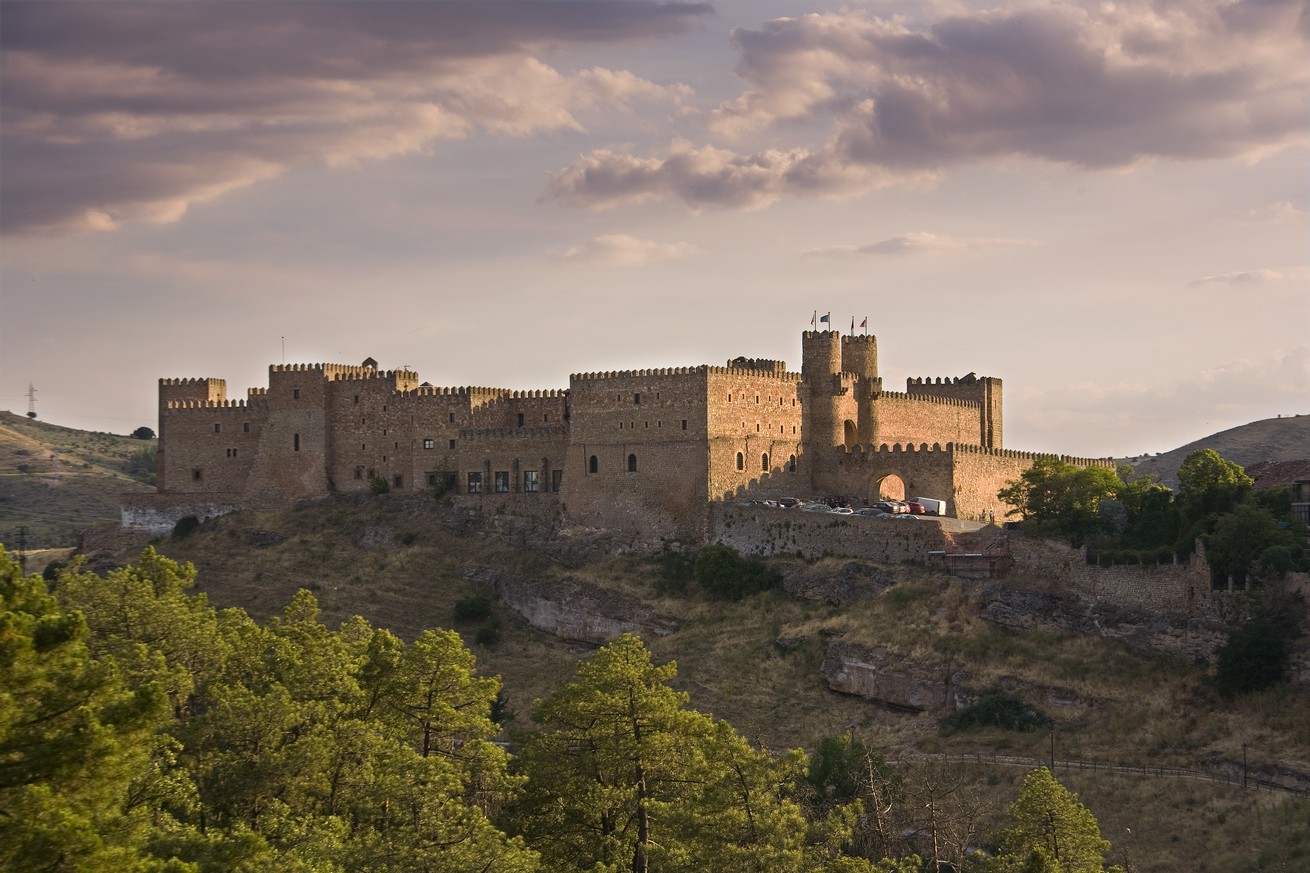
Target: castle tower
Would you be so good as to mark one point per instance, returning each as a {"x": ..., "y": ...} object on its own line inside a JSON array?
[
  {"x": 821, "y": 365},
  {"x": 183, "y": 391},
  {"x": 859, "y": 357}
]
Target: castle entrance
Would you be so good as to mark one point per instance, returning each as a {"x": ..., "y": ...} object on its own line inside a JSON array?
[
  {"x": 851, "y": 434},
  {"x": 890, "y": 487}
]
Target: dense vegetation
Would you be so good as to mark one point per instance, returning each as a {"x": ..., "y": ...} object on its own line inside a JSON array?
[
  {"x": 1122, "y": 518},
  {"x": 142, "y": 730}
]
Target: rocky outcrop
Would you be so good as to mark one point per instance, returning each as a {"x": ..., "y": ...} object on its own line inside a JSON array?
[
  {"x": 1029, "y": 610},
  {"x": 572, "y": 609},
  {"x": 888, "y": 678},
  {"x": 851, "y": 582}
]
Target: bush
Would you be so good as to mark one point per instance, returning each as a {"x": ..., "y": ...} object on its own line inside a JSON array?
[
  {"x": 724, "y": 573},
  {"x": 378, "y": 485},
  {"x": 143, "y": 433},
  {"x": 995, "y": 709},
  {"x": 675, "y": 572},
  {"x": 471, "y": 609},
  {"x": 186, "y": 525},
  {"x": 51, "y": 571}
]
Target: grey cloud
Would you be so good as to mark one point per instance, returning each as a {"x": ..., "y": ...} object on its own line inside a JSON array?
[
  {"x": 124, "y": 111},
  {"x": 1099, "y": 86}
]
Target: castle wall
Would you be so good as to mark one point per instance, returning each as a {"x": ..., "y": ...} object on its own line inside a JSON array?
[
  {"x": 811, "y": 535},
  {"x": 906, "y": 418},
  {"x": 983, "y": 390},
  {"x": 857, "y": 474},
  {"x": 209, "y": 447},
  {"x": 290, "y": 460},
  {"x": 655, "y": 419},
  {"x": 980, "y": 473},
  {"x": 754, "y": 432}
]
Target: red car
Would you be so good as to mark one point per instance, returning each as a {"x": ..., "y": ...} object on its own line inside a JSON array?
[{"x": 915, "y": 508}]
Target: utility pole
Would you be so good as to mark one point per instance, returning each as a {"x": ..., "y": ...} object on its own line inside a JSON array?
[
  {"x": 31, "y": 400},
  {"x": 22, "y": 548}
]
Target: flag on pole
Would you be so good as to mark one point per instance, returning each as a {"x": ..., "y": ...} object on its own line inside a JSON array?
[
  {"x": 827, "y": 318},
  {"x": 865, "y": 324},
  {"x": 814, "y": 319},
  {"x": 852, "y": 325}
]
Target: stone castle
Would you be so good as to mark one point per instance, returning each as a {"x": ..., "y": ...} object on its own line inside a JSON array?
[{"x": 646, "y": 451}]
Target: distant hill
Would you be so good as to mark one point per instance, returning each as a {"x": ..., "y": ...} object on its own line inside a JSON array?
[
  {"x": 56, "y": 481},
  {"x": 1273, "y": 439}
]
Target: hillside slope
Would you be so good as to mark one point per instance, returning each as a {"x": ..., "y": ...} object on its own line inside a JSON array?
[
  {"x": 1273, "y": 439},
  {"x": 406, "y": 564},
  {"x": 55, "y": 481}
]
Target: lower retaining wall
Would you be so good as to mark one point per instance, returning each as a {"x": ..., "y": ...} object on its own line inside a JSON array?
[
  {"x": 158, "y": 513},
  {"x": 763, "y": 531}
]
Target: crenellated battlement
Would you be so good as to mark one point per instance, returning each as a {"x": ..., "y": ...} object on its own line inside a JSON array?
[
  {"x": 903, "y": 397},
  {"x": 629, "y": 374},
  {"x": 193, "y": 383},
  {"x": 337, "y": 373},
  {"x": 968, "y": 379},
  {"x": 536, "y": 394},
  {"x": 215, "y": 404},
  {"x": 1033, "y": 456},
  {"x": 765, "y": 364}
]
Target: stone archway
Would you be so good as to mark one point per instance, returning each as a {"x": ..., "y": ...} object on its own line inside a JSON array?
[{"x": 890, "y": 487}]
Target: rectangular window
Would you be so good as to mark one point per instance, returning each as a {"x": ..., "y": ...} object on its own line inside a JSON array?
[
  {"x": 427, "y": 444},
  {"x": 636, "y": 398},
  {"x": 475, "y": 483},
  {"x": 432, "y": 478},
  {"x": 245, "y": 428},
  {"x": 684, "y": 424},
  {"x": 531, "y": 480},
  {"x": 218, "y": 428},
  {"x": 359, "y": 472},
  {"x": 452, "y": 418},
  {"x": 295, "y": 393},
  {"x": 357, "y": 398},
  {"x": 502, "y": 481},
  {"x": 196, "y": 476},
  {"x": 520, "y": 419},
  {"x": 556, "y": 477},
  {"x": 398, "y": 481},
  {"x": 452, "y": 444},
  {"x": 295, "y": 442}
]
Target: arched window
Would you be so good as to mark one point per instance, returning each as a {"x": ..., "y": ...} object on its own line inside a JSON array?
[
  {"x": 632, "y": 463},
  {"x": 592, "y": 465},
  {"x": 764, "y": 462},
  {"x": 741, "y": 461},
  {"x": 791, "y": 464}
]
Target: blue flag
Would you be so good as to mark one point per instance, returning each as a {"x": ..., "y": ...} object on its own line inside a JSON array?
[{"x": 827, "y": 318}]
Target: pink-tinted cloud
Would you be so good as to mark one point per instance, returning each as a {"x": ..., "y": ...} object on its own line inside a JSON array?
[
  {"x": 1093, "y": 85},
  {"x": 125, "y": 111},
  {"x": 916, "y": 242},
  {"x": 622, "y": 250}
]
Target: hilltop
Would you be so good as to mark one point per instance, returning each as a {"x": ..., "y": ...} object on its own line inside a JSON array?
[
  {"x": 56, "y": 481},
  {"x": 1270, "y": 440}
]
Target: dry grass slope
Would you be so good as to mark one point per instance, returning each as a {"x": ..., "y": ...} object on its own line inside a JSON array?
[
  {"x": 56, "y": 481},
  {"x": 1273, "y": 439}
]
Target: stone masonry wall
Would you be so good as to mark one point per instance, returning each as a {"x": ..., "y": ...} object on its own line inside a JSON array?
[
  {"x": 644, "y": 434},
  {"x": 903, "y": 418},
  {"x": 763, "y": 532},
  {"x": 754, "y": 433}
]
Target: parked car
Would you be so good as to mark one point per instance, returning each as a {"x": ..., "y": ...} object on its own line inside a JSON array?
[
  {"x": 816, "y": 507},
  {"x": 886, "y": 506},
  {"x": 843, "y": 510},
  {"x": 789, "y": 502},
  {"x": 914, "y": 507},
  {"x": 870, "y": 512}
]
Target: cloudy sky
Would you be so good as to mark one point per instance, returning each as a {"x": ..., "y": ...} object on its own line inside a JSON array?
[{"x": 1102, "y": 203}]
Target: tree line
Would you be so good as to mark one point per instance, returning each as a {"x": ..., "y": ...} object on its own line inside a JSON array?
[
  {"x": 143, "y": 730},
  {"x": 1251, "y": 540}
]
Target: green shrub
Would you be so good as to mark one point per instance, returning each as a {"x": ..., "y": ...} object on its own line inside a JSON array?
[
  {"x": 724, "y": 573},
  {"x": 378, "y": 485},
  {"x": 471, "y": 609},
  {"x": 488, "y": 635},
  {"x": 994, "y": 709},
  {"x": 675, "y": 572},
  {"x": 185, "y": 526}
]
